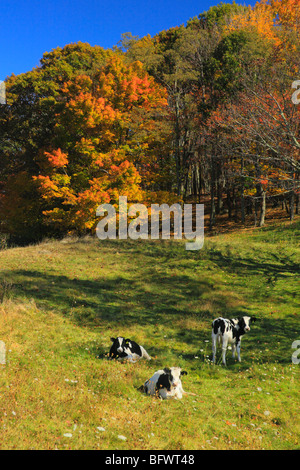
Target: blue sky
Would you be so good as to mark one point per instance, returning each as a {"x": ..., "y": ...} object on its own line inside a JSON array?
[{"x": 31, "y": 27}]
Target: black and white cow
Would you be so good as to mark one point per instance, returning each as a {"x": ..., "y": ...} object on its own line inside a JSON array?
[
  {"x": 123, "y": 349},
  {"x": 166, "y": 383},
  {"x": 229, "y": 331}
]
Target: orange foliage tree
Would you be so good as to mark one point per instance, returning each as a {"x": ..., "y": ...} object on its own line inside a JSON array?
[
  {"x": 104, "y": 142},
  {"x": 88, "y": 138}
]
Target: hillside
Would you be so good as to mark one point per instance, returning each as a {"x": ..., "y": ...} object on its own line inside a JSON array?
[{"x": 61, "y": 301}]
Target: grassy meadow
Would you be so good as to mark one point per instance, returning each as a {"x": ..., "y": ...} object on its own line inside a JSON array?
[{"x": 61, "y": 301}]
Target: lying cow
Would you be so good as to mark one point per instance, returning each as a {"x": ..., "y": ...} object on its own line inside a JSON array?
[
  {"x": 123, "y": 349},
  {"x": 166, "y": 383},
  {"x": 229, "y": 331}
]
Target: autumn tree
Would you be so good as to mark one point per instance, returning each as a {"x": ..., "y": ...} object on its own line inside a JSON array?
[
  {"x": 255, "y": 121},
  {"x": 81, "y": 139}
]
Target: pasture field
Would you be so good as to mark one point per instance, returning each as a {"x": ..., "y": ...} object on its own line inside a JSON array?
[{"x": 61, "y": 301}]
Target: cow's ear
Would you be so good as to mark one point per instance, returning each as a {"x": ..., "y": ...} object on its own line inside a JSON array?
[
  {"x": 127, "y": 341},
  {"x": 112, "y": 339},
  {"x": 253, "y": 319},
  {"x": 183, "y": 372},
  {"x": 167, "y": 370}
]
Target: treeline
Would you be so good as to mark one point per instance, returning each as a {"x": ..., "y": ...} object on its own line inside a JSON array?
[{"x": 201, "y": 109}]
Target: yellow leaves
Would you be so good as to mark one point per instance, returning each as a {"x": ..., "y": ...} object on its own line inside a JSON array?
[
  {"x": 56, "y": 216},
  {"x": 286, "y": 12},
  {"x": 47, "y": 187},
  {"x": 86, "y": 146},
  {"x": 114, "y": 156},
  {"x": 260, "y": 18},
  {"x": 81, "y": 84},
  {"x": 269, "y": 18},
  {"x": 55, "y": 186}
]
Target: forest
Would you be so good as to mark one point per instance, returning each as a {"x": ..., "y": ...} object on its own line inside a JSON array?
[{"x": 205, "y": 112}]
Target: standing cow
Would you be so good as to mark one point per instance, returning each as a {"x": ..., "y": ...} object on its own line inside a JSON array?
[{"x": 231, "y": 331}]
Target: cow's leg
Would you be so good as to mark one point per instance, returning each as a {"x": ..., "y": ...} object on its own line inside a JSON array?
[
  {"x": 233, "y": 350},
  {"x": 214, "y": 346},
  {"x": 224, "y": 348},
  {"x": 238, "y": 348}
]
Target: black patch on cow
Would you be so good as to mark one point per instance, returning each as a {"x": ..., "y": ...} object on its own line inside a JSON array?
[
  {"x": 133, "y": 346},
  {"x": 164, "y": 380},
  {"x": 242, "y": 324},
  {"x": 219, "y": 323}
]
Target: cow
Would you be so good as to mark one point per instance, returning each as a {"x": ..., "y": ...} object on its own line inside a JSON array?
[
  {"x": 126, "y": 349},
  {"x": 165, "y": 383},
  {"x": 229, "y": 331}
]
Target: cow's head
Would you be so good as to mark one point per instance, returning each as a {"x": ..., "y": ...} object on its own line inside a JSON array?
[
  {"x": 244, "y": 323},
  {"x": 174, "y": 374},
  {"x": 120, "y": 344}
]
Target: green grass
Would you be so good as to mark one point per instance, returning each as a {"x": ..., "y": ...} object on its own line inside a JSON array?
[{"x": 61, "y": 301}]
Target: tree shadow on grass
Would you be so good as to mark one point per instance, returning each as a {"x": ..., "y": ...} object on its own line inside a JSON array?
[
  {"x": 158, "y": 304},
  {"x": 116, "y": 300},
  {"x": 148, "y": 298},
  {"x": 282, "y": 266}
]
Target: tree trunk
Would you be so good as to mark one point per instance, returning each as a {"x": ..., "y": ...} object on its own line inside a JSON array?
[
  {"x": 255, "y": 212},
  {"x": 262, "y": 209},
  {"x": 212, "y": 195},
  {"x": 177, "y": 148},
  {"x": 242, "y": 193},
  {"x": 229, "y": 205},
  {"x": 292, "y": 200}
]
